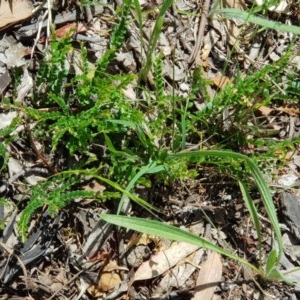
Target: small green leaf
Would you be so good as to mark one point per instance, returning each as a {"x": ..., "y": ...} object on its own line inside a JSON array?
[
  {"x": 271, "y": 261},
  {"x": 277, "y": 275}
]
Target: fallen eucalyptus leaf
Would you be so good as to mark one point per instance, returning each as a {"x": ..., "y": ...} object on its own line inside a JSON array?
[{"x": 19, "y": 10}]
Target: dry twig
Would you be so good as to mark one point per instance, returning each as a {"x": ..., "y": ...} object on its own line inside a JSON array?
[{"x": 200, "y": 35}]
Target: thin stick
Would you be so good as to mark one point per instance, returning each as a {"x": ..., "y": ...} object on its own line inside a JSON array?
[{"x": 200, "y": 36}]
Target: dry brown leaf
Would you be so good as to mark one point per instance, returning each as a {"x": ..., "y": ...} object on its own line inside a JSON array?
[
  {"x": 20, "y": 10},
  {"x": 94, "y": 186},
  {"x": 239, "y": 4},
  {"x": 181, "y": 274},
  {"x": 292, "y": 111},
  {"x": 221, "y": 81},
  {"x": 66, "y": 30},
  {"x": 265, "y": 110},
  {"x": 163, "y": 261},
  {"x": 234, "y": 27},
  {"x": 208, "y": 278},
  {"x": 109, "y": 279},
  {"x": 143, "y": 239}
]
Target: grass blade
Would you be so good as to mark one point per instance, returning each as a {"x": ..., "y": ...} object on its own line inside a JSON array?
[
  {"x": 115, "y": 185},
  {"x": 154, "y": 37},
  {"x": 253, "y": 213},
  {"x": 257, "y": 176},
  {"x": 151, "y": 168},
  {"x": 233, "y": 13},
  {"x": 139, "y": 17},
  {"x": 170, "y": 232},
  {"x": 271, "y": 261}
]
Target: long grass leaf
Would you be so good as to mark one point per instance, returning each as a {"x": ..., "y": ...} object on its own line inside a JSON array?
[
  {"x": 257, "y": 176},
  {"x": 151, "y": 168},
  {"x": 139, "y": 16},
  {"x": 233, "y": 13},
  {"x": 154, "y": 37},
  {"x": 116, "y": 186},
  {"x": 170, "y": 232},
  {"x": 253, "y": 213}
]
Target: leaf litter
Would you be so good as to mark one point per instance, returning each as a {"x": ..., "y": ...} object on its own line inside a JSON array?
[{"x": 75, "y": 255}]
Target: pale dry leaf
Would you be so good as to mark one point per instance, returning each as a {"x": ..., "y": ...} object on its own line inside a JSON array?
[
  {"x": 163, "y": 261},
  {"x": 209, "y": 277},
  {"x": 233, "y": 30},
  {"x": 127, "y": 60},
  {"x": 14, "y": 167},
  {"x": 240, "y": 4},
  {"x": 129, "y": 92},
  {"x": 46, "y": 279},
  {"x": 181, "y": 273},
  {"x": 295, "y": 61},
  {"x": 12, "y": 52},
  {"x": 292, "y": 111},
  {"x": 94, "y": 186},
  {"x": 110, "y": 277},
  {"x": 265, "y": 110},
  {"x": 5, "y": 80},
  {"x": 274, "y": 56},
  {"x": 25, "y": 86},
  {"x": 221, "y": 81},
  {"x": 20, "y": 10},
  {"x": 233, "y": 27},
  {"x": 174, "y": 72},
  {"x": 62, "y": 277},
  {"x": 6, "y": 119},
  {"x": 254, "y": 50},
  {"x": 296, "y": 159},
  {"x": 109, "y": 280},
  {"x": 287, "y": 180}
]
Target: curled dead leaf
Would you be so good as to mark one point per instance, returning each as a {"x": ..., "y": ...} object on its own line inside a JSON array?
[
  {"x": 221, "y": 81},
  {"x": 109, "y": 279}
]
